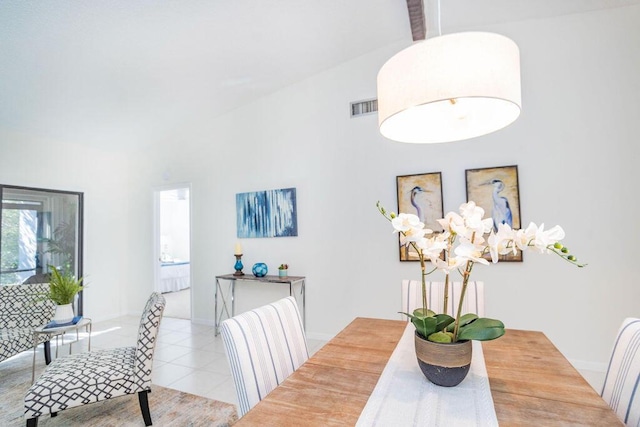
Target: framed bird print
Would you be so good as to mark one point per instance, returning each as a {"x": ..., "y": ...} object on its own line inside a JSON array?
[
  {"x": 496, "y": 191},
  {"x": 420, "y": 195}
]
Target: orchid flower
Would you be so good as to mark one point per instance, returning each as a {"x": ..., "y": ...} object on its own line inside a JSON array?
[
  {"x": 502, "y": 242},
  {"x": 404, "y": 222},
  {"x": 464, "y": 241},
  {"x": 471, "y": 252},
  {"x": 544, "y": 239}
]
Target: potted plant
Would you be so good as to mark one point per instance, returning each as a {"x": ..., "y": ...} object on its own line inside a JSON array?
[
  {"x": 283, "y": 270},
  {"x": 443, "y": 342},
  {"x": 63, "y": 288}
]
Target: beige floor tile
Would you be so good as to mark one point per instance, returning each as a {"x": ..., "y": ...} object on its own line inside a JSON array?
[
  {"x": 199, "y": 382},
  {"x": 215, "y": 346},
  {"x": 225, "y": 392},
  {"x": 172, "y": 337},
  {"x": 219, "y": 364},
  {"x": 170, "y": 352},
  {"x": 197, "y": 340},
  {"x": 196, "y": 359},
  {"x": 165, "y": 375}
]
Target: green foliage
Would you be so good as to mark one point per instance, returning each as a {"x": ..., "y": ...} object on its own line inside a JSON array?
[
  {"x": 63, "y": 286},
  {"x": 63, "y": 242},
  {"x": 481, "y": 329},
  {"x": 441, "y": 337},
  {"x": 464, "y": 319},
  {"x": 440, "y": 327}
]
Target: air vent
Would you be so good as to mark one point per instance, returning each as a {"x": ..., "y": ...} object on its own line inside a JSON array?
[{"x": 361, "y": 108}]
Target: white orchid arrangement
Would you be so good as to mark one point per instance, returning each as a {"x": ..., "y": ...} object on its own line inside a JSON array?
[{"x": 463, "y": 245}]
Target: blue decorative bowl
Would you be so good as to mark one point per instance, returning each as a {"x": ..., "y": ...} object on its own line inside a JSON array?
[{"x": 260, "y": 269}]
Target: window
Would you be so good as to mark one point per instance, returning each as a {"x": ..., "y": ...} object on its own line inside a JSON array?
[{"x": 39, "y": 228}]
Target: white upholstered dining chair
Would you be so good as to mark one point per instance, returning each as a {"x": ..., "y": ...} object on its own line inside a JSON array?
[
  {"x": 264, "y": 346},
  {"x": 621, "y": 389},
  {"x": 412, "y": 297}
]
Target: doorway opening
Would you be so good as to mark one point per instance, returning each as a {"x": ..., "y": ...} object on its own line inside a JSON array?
[{"x": 173, "y": 249}]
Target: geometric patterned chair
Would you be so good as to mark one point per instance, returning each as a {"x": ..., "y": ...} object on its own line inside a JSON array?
[
  {"x": 264, "y": 346},
  {"x": 84, "y": 378},
  {"x": 22, "y": 309},
  {"x": 621, "y": 389},
  {"x": 473, "y": 300}
]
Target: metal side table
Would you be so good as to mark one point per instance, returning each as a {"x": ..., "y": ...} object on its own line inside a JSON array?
[
  {"x": 59, "y": 332},
  {"x": 292, "y": 281}
]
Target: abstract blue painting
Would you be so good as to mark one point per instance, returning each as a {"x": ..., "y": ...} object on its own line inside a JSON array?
[{"x": 270, "y": 213}]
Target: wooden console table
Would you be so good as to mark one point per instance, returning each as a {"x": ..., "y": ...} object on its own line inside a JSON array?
[{"x": 231, "y": 289}]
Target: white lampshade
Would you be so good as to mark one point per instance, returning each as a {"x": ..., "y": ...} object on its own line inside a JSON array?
[{"x": 450, "y": 88}]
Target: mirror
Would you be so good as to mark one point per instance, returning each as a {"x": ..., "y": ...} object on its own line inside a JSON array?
[{"x": 39, "y": 228}]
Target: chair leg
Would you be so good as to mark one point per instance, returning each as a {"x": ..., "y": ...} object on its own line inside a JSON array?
[
  {"x": 144, "y": 406},
  {"x": 32, "y": 422},
  {"x": 47, "y": 352}
]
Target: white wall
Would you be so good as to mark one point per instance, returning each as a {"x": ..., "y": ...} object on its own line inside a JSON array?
[
  {"x": 573, "y": 144},
  {"x": 106, "y": 179}
]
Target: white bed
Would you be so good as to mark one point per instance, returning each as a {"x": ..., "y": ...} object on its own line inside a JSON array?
[{"x": 174, "y": 276}]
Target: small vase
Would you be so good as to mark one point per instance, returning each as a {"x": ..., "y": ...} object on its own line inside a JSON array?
[
  {"x": 260, "y": 269},
  {"x": 64, "y": 313},
  {"x": 282, "y": 273},
  {"x": 443, "y": 364}
]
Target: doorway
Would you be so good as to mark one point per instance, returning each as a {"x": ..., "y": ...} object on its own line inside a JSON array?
[{"x": 173, "y": 249}]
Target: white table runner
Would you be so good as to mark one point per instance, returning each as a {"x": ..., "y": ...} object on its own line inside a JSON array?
[{"x": 404, "y": 397}]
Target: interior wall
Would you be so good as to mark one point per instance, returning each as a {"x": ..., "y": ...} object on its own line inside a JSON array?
[
  {"x": 573, "y": 145},
  {"x": 105, "y": 178}
]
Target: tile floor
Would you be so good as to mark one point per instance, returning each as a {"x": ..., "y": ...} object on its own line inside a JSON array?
[{"x": 188, "y": 357}]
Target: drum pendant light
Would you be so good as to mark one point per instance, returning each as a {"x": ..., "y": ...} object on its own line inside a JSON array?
[{"x": 450, "y": 88}]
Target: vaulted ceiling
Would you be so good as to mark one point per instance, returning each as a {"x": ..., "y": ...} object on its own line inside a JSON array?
[{"x": 122, "y": 72}]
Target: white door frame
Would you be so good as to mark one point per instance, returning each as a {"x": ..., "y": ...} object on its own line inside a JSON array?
[{"x": 157, "y": 251}]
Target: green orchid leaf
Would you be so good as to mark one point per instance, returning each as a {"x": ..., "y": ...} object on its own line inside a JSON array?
[
  {"x": 464, "y": 320},
  {"x": 441, "y": 337},
  {"x": 424, "y": 325},
  {"x": 482, "y": 329},
  {"x": 443, "y": 320},
  {"x": 419, "y": 312}
]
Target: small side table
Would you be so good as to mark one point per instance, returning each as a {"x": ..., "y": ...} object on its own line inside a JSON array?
[
  {"x": 59, "y": 332},
  {"x": 231, "y": 294}
]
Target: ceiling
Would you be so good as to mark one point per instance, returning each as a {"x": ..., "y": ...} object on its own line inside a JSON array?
[{"x": 130, "y": 73}]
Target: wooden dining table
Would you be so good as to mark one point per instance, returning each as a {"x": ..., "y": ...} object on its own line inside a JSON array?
[{"x": 531, "y": 382}]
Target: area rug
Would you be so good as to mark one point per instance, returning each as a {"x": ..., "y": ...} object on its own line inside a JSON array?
[{"x": 168, "y": 408}]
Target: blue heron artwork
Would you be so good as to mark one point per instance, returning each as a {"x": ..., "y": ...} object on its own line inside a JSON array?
[
  {"x": 500, "y": 211},
  {"x": 496, "y": 191},
  {"x": 421, "y": 195},
  {"x": 270, "y": 213}
]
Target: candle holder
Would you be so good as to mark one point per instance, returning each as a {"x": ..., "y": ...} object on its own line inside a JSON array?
[{"x": 238, "y": 266}]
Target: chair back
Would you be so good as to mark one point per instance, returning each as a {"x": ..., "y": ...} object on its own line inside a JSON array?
[
  {"x": 621, "y": 389},
  {"x": 264, "y": 346},
  {"x": 147, "y": 337},
  {"x": 25, "y": 306},
  {"x": 412, "y": 297}
]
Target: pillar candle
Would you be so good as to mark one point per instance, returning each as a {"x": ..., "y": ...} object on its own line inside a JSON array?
[{"x": 238, "y": 249}]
